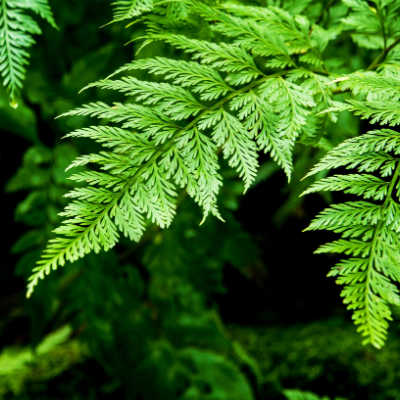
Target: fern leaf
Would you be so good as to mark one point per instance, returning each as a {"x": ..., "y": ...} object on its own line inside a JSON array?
[
  {"x": 372, "y": 85},
  {"x": 387, "y": 113},
  {"x": 174, "y": 101},
  {"x": 238, "y": 146},
  {"x": 223, "y": 57},
  {"x": 202, "y": 79},
  {"x": 369, "y": 152},
  {"x": 17, "y": 29},
  {"x": 370, "y": 230},
  {"x": 372, "y": 31},
  {"x": 364, "y": 185},
  {"x": 128, "y": 9},
  {"x": 39, "y": 7},
  {"x": 168, "y": 134}
]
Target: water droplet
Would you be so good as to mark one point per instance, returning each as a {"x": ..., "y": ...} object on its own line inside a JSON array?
[{"x": 14, "y": 104}]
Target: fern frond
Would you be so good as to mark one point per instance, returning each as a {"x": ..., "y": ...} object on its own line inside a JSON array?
[
  {"x": 387, "y": 113},
  {"x": 373, "y": 86},
  {"x": 166, "y": 137},
  {"x": 364, "y": 185},
  {"x": 203, "y": 80},
  {"x": 17, "y": 29},
  {"x": 376, "y": 96},
  {"x": 39, "y": 7},
  {"x": 169, "y": 133},
  {"x": 131, "y": 116},
  {"x": 237, "y": 145},
  {"x": 286, "y": 35},
  {"x": 128, "y": 9},
  {"x": 362, "y": 17},
  {"x": 375, "y": 23},
  {"x": 232, "y": 59},
  {"x": 252, "y": 36},
  {"x": 370, "y": 230},
  {"x": 173, "y": 101},
  {"x": 369, "y": 152}
]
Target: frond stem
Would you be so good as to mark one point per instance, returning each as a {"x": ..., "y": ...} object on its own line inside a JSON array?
[{"x": 381, "y": 57}]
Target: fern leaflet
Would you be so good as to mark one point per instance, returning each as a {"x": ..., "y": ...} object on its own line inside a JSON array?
[{"x": 128, "y": 9}]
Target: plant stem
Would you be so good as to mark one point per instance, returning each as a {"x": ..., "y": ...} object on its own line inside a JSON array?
[{"x": 381, "y": 57}]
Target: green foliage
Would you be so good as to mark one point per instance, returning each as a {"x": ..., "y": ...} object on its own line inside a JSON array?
[
  {"x": 376, "y": 24},
  {"x": 167, "y": 335},
  {"x": 218, "y": 98},
  {"x": 215, "y": 378},
  {"x": 17, "y": 28},
  {"x": 42, "y": 176},
  {"x": 238, "y": 80},
  {"x": 299, "y": 395},
  {"x": 127, "y": 9},
  {"x": 323, "y": 356},
  {"x": 55, "y": 354},
  {"x": 219, "y": 102},
  {"x": 168, "y": 345},
  {"x": 376, "y": 95},
  {"x": 369, "y": 228},
  {"x": 169, "y": 326}
]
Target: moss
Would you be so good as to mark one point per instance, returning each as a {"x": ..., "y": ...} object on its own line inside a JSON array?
[{"x": 325, "y": 357}]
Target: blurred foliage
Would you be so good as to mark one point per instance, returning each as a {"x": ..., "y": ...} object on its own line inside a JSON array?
[
  {"x": 326, "y": 356},
  {"x": 298, "y": 395},
  {"x": 170, "y": 331},
  {"x": 55, "y": 354}
]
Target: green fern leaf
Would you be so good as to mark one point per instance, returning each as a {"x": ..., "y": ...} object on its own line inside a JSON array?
[
  {"x": 128, "y": 9},
  {"x": 171, "y": 131},
  {"x": 16, "y": 37},
  {"x": 369, "y": 230}
]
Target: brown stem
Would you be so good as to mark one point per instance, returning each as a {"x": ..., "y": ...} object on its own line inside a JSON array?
[{"x": 383, "y": 55}]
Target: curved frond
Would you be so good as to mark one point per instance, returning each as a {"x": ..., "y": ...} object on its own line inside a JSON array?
[
  {"x": 370, "y": 229},
  {"x": 172, "y": 132}
]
